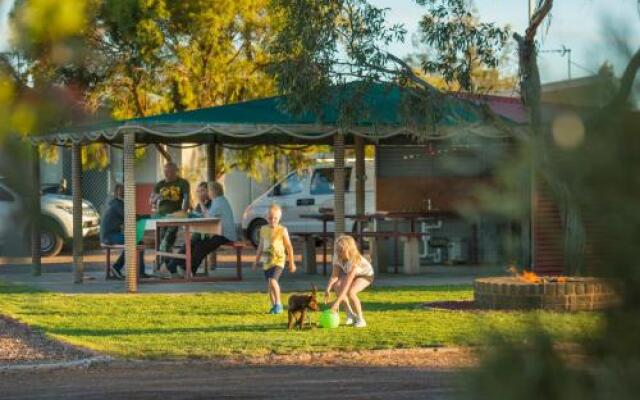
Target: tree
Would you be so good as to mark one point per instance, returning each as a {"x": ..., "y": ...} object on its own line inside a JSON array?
[
  {"x": 321, "y": 46},
  {"x": 136, "y": 58}
]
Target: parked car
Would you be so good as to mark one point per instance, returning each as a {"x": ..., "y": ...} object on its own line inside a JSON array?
[
  {"x": 56, "y": 219},
  {"x": 306, "y": 191}
]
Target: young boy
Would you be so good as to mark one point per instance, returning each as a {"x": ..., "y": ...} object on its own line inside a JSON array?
[{"x": 274, "y": 241}]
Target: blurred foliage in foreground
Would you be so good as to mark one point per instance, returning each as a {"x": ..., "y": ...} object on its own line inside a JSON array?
[{"x": 593, "y": 151}]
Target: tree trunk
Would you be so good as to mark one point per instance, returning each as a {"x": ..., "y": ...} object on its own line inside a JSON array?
[
  {"x": 541, "y": 165},
  {"x": 211, "y": 162}
]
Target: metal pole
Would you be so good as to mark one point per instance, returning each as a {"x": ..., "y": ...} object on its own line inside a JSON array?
[
  {"x": 36, "y": 265},
  {"x": 360, "y": 176},
  {"x": 76, "y": 187},
  {"x": 211, "y": 162},
  {"x": 338, "y": 149},
  {"x": 130, "y": 242}
]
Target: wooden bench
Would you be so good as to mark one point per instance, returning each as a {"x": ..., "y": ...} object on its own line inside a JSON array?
[
  {"x": 238, "y": 247},
  {"x": 109, "y": 247}
]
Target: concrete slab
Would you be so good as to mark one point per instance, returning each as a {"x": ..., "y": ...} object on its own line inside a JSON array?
[{"x": 57, "y": 277}]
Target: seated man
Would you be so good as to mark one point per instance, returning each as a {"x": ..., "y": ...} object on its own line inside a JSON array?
[
  {"x": 170, "y": 195},
  {"x": 111, "y": 231},
  {"x": 219, "y": 208}
]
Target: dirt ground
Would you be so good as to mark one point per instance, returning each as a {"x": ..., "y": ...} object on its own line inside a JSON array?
[
  {"x": 211, "y": 380},
  {"x": 19, "y": 344}
]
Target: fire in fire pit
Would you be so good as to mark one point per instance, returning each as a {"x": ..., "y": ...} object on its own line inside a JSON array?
[
  {"x": 531, "y": 277},
  {"x": 529, "y": 291}
]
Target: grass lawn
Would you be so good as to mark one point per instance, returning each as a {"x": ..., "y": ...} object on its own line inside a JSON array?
[{"x": 221, "y": 324}]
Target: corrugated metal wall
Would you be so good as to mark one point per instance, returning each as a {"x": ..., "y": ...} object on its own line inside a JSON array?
[{"x": 414, "y": 178}]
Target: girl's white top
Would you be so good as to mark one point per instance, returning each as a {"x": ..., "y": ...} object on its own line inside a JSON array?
[{"x": 364, "y": 268}]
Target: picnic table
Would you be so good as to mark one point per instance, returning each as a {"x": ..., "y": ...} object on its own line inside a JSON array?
[
  {"x": 208, "y": 226},
  {"x": 412, "y": 237},
  {"x": 326, "y": 217}
]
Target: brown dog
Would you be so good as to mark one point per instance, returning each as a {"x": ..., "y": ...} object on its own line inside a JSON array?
[{"x": 298, "y": 306}]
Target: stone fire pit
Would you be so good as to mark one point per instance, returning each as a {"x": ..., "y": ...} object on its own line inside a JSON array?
[{"x": 549, "y": 293}]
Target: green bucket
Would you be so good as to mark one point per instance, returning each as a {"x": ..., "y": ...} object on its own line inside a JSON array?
[{"x": 329, "y": 319}]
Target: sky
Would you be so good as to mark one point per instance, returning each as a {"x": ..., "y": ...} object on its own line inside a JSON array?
[{"x": 580, "y": 25}]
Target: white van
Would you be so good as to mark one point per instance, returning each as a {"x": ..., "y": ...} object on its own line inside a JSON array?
[{"x": 306, "y": 191}]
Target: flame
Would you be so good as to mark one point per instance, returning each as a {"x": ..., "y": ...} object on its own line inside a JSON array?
[
  {"x": 525, "y": 275},
  {"x": 529, "y": 277}
]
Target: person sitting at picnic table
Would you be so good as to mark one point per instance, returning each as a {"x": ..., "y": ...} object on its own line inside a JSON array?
[
  {"x": 170, "y": 195},
  {"x": 203, "y": 199},
  {"x": 204, "y": 202},
  {"x": 111, "y": 231},
  {"x": 219, "y": 208}
]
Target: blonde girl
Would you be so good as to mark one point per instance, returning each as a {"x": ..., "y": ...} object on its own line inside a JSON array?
[
  {"x": 352, "y": 273},
  {"x": 274, "y": 241}
]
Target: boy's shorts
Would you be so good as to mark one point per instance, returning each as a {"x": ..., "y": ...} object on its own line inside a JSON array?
[{"x": 273, "y": 273}]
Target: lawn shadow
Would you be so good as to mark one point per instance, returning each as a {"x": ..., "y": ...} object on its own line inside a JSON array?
[
  {"x": 427, "y": 289},
  {"x": 168, "y": 331},
  {"x": 386, "y": 306},
  {"x": 9, "y": 288}
]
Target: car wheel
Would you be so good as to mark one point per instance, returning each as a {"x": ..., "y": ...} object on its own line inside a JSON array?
[
  {"x": 253, "y": 232},
  {"x": 51, "y": 242}
]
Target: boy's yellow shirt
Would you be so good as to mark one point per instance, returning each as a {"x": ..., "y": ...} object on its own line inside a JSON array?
[{"x": 273, "y": 252}]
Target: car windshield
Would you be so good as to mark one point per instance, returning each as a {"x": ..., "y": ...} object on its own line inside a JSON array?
[
  {"x": 291, "y": 185},
  {"x": 322, "y": 181}
]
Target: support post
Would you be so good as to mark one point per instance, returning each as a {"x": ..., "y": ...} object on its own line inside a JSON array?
[
  {"x": 411, "y": 265},
  {"x": 379, "y": 256},
  {"x": 36, "y": 264},
  {"x": 76, "y": 187},
  {"x": 309, "y": 255},
  {"x": 131, "y": 257},
  {"x": 211, "y": 162},
  {"x": 338, "y": 211},
  {"x": 360, "y": 176}
]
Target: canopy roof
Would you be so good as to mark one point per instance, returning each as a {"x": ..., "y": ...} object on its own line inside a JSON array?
[{"x": 265, "y": 121}]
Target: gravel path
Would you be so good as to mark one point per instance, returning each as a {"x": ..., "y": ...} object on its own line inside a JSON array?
[
  {"x": 20, "y": 344},
  {"x": 383, "y": 374},
  {"x": 202, "y": 380}
]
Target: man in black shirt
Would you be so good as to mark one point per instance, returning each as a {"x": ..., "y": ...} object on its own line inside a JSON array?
[{"x": 170, "y": 195}]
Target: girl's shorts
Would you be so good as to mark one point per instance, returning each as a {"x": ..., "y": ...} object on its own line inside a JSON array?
[
  {"x": 368, "y": 278},
  {"x": 273, "y": 273}
]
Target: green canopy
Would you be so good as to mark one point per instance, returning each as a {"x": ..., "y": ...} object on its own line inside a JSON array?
[{"x": 265, "y": 121}]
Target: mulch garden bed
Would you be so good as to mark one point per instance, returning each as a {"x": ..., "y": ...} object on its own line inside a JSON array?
[{"x": 20, "y": 344}]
